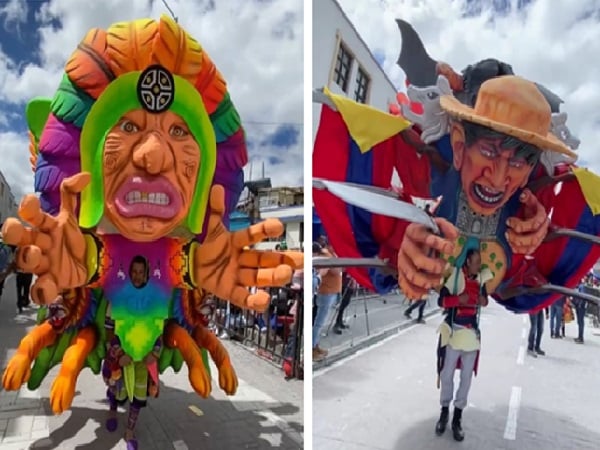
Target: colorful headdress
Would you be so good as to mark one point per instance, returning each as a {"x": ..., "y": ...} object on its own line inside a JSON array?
[{"x": 111, "y": 62}]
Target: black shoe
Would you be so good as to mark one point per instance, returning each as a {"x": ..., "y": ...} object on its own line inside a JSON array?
[
  {"x": 530, "y": 352},
  {"x": 440, "y": 426},
  {"x": 552, "y": 336},
  {"x": 420, "y": 321},
  {"x": 457, "y": 430},
  {"x": 579, "y": 341},
  {"x": 337, "y": 329},
  {"x": 540, "y": 352},
  {"x": 407, "y": 314}
]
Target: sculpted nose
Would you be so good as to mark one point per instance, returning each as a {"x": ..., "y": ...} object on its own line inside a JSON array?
[{"x": 153, "y": 155}]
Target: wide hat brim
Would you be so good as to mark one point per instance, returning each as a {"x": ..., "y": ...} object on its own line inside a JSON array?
[{"x": 548, "y": 142}]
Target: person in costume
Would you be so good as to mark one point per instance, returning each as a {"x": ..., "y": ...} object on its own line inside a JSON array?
[
  {"x": 462, "y": 296},
  {"x": 139, "y": 153}
]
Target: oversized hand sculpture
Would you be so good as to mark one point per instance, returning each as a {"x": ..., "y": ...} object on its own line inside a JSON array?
[
  {"x": 252, "y": 268},
  {"x": 54, "y": 248}
]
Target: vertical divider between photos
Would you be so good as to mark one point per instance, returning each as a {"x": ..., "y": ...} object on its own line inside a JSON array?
[{"x": 308, "y": 237}]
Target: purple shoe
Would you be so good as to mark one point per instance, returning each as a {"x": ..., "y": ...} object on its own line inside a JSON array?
[
  {"x": 132, "y": 444},
  {"x": 112, "y": 424}
]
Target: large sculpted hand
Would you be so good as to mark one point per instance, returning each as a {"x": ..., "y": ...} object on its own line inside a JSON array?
[
  {"x": 525, "y": 235},
  {"x": 224, "y": 268},
  {"x": 418, "y": 269},
  {"x": 54, "y": 247}
]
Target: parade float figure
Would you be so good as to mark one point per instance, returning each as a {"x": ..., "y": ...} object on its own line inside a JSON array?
[
  {"x": 495, "y": 147},
  {"x": 138, "y": 160}
]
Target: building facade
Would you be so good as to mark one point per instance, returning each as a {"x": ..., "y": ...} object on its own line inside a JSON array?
[
  {"x": 8, "y": 204},
  {"x": 343, "y": 62},
  {"x": 287, "y": 205}
]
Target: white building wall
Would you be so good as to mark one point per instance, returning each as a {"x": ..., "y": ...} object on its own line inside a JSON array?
[
  {"x": 7, "y": 200},
  {"x": 330, "y": 25}
]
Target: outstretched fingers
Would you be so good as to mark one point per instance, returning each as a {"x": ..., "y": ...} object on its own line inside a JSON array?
[
  {"x": 241, "y": 297},
  {"x": 280, "y": 276},
  {"x": 257, "y": 258},
  {"x": 30, "y": 210},
  {"x": 270, "y": 228},
  {"x": 44, "y": 290}
]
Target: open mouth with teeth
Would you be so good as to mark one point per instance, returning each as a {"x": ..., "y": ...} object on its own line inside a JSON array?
[
  {"x": 155, "y": 198},
  {"x": 486, "y": 196}
]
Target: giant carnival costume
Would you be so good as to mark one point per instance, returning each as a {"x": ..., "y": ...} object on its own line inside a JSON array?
[
  {"x": 481, "y": 160},
  {"x": 138, "y": 160}
]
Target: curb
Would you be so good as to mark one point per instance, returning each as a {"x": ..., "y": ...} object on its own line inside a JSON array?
[{"x": 367, "y": 342}]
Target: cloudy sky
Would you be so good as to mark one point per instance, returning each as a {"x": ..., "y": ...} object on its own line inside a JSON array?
[
  {"x": 553, "y": 42},
  {"x": 256, "y": 44}
]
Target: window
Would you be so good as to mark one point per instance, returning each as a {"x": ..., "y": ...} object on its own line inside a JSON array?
[
  {"x": 362, "y": 86},
  {"x": 343, "y": 64}
]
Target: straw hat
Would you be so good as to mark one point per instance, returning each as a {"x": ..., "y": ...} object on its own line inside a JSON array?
[{"x": 513, "y": 106}]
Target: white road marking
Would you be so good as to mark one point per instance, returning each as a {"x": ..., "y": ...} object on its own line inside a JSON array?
[
  {"x": 180, "y": 445},
  {"x": 523, "y": 333},
  {"x": 521, "y": 355},
  {"x": 510, "y": 431},
  {"x": 362, "y": 352},
  {"x": 524, "y": 319}
]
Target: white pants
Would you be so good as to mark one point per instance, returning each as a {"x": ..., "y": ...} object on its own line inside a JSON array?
[{"x": 447, "y": 377}]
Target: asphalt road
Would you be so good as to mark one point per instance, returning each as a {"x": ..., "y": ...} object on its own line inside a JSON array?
[
  {"x": 385, "y": 397},
  {"x": 267, "y": 411}
]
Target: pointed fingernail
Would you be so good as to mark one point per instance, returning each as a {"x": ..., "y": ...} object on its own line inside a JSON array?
[
  {"x": 523, "y": 196},
  {"x": 447, "y": 267}
]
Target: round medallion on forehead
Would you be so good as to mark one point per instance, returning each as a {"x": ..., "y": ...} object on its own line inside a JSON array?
[{"x": 156, "y": 89}]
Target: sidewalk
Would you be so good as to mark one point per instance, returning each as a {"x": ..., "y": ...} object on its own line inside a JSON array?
[
  {"x": 267, "y": 411},
  {"x": 370, "y": 319}
]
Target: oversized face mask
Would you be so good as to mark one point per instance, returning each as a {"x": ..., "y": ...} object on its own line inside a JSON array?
[{"x": 150, "y": 163}]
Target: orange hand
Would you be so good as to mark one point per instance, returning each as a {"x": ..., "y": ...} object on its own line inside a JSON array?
[
  {"x": 54, "y": 248},
  {"x": 417, "y": 271},
  {"x": 525, "y": 235},
  {"x": 225, "y": 269}
]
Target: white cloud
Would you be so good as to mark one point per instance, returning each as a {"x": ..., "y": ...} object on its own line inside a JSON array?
[
  {"x": 14, "y": 12},
  {"x": 264, "y": 71},
  {"x": 549, "y": 43}
]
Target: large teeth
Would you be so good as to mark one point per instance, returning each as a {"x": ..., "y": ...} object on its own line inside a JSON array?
[
  {"x": 155, "y": 198},
  {"x": 488, "y": 195}
]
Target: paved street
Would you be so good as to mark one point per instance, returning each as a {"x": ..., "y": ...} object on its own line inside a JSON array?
[
  {"x": 266, "y": 412},
  {"x": 368, "y": 317},
  {"x": 385, "y": 397}
]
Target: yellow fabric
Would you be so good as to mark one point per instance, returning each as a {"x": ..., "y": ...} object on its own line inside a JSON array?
[
  {"x": 590, "y": 186},
  {"x": 367, "y": 126},
  {"x": 91, "y": 256},
  {"x": 464, "y": 339}
]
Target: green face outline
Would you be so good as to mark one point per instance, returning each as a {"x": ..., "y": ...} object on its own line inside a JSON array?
[{"x": 118, "y": 99}]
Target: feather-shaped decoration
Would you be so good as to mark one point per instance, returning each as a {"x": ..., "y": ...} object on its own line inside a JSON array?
[
  {"x": 71, "y": 104},
  {"x": 60, "y": 138},
  {"x": 130, "y": 45},
  {"x": 225, "y": 119},
  {"x": 52, "y": 170},
  {"x": 176, "y": 50},
  {"x": 211, "y": 84},
  {"x": 33, "y": 151},
  {"x": 89, "y": 65}
]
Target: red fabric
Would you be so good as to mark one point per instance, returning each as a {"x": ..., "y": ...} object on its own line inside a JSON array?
[
  {"x": 567, "y": 208},
  {"x": 330, "y": 160}
]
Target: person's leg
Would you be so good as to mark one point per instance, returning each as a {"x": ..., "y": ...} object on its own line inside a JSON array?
[
  {"x": 580, "y": 312},
  {"x": 422, "y": 304},
  {"x": 447, "y": 388},
  {"x": 411, "y": 308},
  {"x": 134, "y": 411},
  {"x": 27, "y": 285},
  {"x": 1, "y": 287},
  {"x": 532, "y": 332},
  {"x": 324, "y": 304},
  {"x": 553, "y": 320},
  {"x": 462, "y": 394},
  {"x": 19, "y": 283},
  {"x": 346, "y": 297},
  {"x": 539, "y": 333}
]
